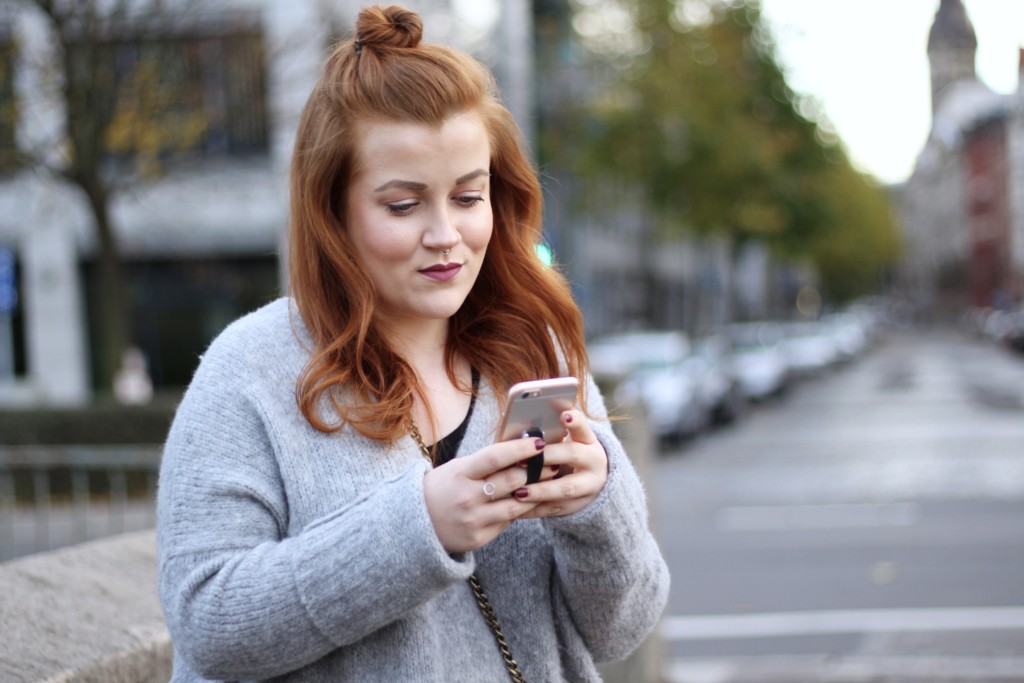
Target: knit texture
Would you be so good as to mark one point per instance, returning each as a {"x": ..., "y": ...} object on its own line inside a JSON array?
[{"x": 288, "y": 554}]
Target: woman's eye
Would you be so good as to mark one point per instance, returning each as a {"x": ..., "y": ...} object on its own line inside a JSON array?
[
  {"x": 400, "y": 209},
  {"x": 469, "y": 200}
]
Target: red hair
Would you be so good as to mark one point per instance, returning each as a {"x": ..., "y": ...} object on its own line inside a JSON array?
[{"x": 519, "y": 321}]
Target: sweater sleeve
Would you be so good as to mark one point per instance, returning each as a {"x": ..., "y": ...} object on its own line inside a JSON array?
[
  {"x": 610, "y": 574},
  {"x": 243, "y": 599}
]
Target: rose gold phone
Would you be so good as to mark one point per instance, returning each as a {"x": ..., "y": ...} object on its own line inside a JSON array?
[{"x": 534, "y": 409}]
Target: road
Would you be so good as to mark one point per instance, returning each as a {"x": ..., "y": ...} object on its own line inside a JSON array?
[{"x": 869, "y": 526}]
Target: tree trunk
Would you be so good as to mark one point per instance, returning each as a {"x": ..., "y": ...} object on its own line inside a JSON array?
[{"x": 111, "y": 300}]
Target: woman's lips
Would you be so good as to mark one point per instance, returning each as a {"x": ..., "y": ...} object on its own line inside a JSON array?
[{"x": 442, "y": 272}]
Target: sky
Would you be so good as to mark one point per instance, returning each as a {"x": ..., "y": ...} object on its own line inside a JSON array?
[{"x": 866, "y": 63}]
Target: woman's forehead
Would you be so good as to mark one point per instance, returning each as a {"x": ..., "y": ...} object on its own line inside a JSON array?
[{"x": 460, "y": 145}]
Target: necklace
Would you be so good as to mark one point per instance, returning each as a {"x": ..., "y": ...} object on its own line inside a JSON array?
[
  {"x": 424, "y": 449},
  {"x": 482, "y": 601}
]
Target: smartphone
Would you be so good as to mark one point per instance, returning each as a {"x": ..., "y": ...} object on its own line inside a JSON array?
[{"x": 534, "y": 409}]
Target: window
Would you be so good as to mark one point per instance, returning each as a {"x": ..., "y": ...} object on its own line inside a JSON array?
[
  {"x": 12, "y": 324},
  {"x": 182, "y": 95},
  {"x": 178, "y": 306}
]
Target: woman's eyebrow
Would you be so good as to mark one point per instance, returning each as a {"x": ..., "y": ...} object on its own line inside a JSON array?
[
  {"x": 402, "y": 184},
  {"x": 472, "y": 174},
  {"x": 413, "y": 185}
]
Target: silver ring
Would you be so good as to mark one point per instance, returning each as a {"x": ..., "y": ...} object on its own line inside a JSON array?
[
  {"x": 489, "y": 490},
  {"x": 445, "y": 252}
]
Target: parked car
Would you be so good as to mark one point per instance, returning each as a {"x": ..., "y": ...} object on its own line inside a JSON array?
[
  {"x": 759, "y": 361},
  {"x": 1001, "y": 326},
  {"x": 671, "y": 400},
  {"x": 1013, "y": 333},
  {"x": 619, "y": 355},
  {"x": 809, "y": 346},
  {"x": 850, "y": 333},
  {"x": 712, "y": 365},
  {"x": 650, "y": 369}
]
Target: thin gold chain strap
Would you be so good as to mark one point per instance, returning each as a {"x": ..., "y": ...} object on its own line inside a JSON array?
[
  {"x": 482, "y": 601},
  {"x": 419, "y": 441},
  {"x": 491, "y": 617}
]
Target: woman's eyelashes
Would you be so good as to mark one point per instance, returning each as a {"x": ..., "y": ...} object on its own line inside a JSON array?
[
  {"x": 405, "y": 208},
  {"x": 468, "y": 201},
  {"x": 400, "y": 209}
]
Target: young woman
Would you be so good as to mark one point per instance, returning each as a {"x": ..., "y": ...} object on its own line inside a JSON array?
[{"x": 333, "y": 505}]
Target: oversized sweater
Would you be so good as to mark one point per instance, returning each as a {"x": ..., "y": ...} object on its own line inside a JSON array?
[{"x": 290, "y": 554}]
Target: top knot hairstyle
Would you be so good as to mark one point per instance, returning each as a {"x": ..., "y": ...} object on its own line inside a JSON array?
[
  {"x": 519, "y": 321},
  {"x": 391, "y": 27}
]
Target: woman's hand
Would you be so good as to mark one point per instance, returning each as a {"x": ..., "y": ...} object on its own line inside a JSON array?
[
  {"x": 470, "y": 499},
  {"x": 585, "y": 464}
]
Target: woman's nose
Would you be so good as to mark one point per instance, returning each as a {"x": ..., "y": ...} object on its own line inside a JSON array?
[{"x": 442, "y": 233}]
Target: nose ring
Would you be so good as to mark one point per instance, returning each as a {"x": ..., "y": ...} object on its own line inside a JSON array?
[{"x": 445, "y": 252}]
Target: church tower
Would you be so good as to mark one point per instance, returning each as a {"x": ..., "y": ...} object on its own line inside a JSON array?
[{"x": 952, "y": 45}]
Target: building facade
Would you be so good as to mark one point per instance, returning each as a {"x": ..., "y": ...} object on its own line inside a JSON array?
[
  {"x": 963, "y": 206},
  {"x": 200, "y": 245},
  {"x": 200, "y": 241}
]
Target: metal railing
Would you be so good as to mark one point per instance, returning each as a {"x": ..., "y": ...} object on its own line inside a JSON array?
[{"x": 56, "y": 496}]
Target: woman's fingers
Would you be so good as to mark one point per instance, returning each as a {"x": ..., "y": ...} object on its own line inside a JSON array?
[
  {"x": 565, "y": 494},
  {"x": 499, "y": 456},
  {"x": 578, "y": 428},
  {"x": 584, "y": 467},
  {"x": 473, "y": 499},
  {"x": 470, "y": 500},
  {"x": 469, "y": 513}
]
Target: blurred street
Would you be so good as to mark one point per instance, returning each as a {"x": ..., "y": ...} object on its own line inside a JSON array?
[{"x": 867, "y": 526}]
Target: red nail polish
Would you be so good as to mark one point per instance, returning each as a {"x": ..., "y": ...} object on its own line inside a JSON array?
[
  {"x": 568, "y": 418},
  {"x": 521, "y": 493},
  {"x": 539, "y": 444}
]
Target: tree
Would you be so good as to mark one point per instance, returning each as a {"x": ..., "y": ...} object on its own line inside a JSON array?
[
  {"x": 857, "y": 254},
  {"x": 123, "y": 88},
  {"x": 700, "y": 122}
]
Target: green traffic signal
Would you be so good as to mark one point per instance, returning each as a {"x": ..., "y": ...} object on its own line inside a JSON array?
[{"x": 544, "y": 253}]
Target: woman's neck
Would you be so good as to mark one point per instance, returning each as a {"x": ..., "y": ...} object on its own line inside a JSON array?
[{"x": 423, "y": 346}]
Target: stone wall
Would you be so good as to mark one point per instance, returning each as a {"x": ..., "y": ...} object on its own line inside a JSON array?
[{"x": 85, "y": 614}]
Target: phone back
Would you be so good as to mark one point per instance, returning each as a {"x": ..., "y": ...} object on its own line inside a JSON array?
[{"x": 538, "y": 405}]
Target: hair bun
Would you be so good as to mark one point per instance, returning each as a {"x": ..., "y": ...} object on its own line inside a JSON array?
[{"x": 389, "y": 27}]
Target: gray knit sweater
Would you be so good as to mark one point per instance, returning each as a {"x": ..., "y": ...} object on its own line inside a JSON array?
[{"x": 293, "y": 555}]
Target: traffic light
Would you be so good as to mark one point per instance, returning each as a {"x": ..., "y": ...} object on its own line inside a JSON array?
[{"x": 544, "y": 253}]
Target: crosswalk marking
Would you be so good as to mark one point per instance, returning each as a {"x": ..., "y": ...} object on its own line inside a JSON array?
[
  {"x": 774, "y": 624},
  {"x": 829, "y": 516},
  {"x": 849, "y": 669}
]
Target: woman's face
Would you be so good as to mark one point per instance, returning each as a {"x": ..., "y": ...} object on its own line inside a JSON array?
[{"x": 417, "y": 192}]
